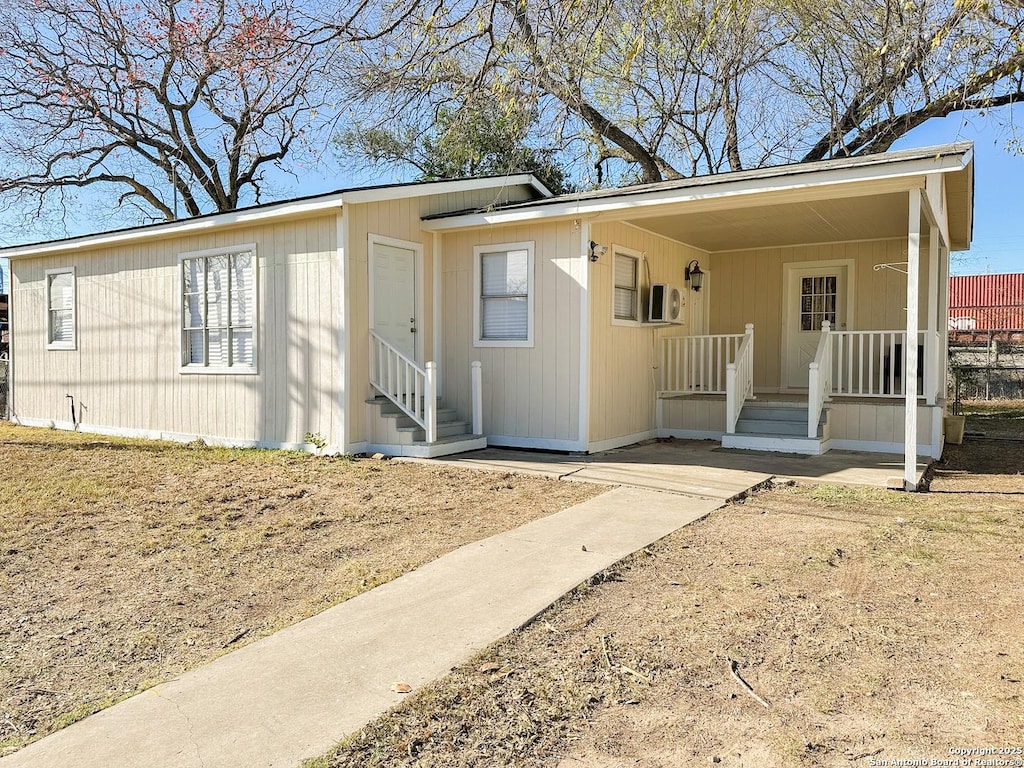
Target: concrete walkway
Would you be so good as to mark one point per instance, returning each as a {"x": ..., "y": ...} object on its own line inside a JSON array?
[{"x": 292, "y": 695}]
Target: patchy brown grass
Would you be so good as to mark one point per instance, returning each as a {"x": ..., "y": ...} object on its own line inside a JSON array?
[
  {"x": 123, "y": 563},
  {"x": 1002, "y": 419},
  {"x": 876, "y": 625}
]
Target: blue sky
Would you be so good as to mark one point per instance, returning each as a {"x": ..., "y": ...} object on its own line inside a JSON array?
[{"x": 998, "y": 244}]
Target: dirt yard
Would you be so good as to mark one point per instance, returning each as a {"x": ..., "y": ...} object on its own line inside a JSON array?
[
  {"x": 123, "y": 563},
  {"x": 872, "y": 627},
  {"x": 995, "y": 418}
]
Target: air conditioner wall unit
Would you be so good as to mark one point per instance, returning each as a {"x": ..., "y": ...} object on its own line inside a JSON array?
[{"x": 667, "y": 303}]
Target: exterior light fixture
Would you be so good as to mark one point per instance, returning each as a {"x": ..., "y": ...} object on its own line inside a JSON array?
[
  {"x": 693, "y": 275},
  {"x": 597, "y": 251}
]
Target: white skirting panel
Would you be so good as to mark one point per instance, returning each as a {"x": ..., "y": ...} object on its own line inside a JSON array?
[
  {"x": 619, "y": 442},
  {"x": 173, "y": 437}
]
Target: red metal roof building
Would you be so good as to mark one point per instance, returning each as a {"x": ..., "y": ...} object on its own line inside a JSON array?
[{"x": 986, "y": 302}]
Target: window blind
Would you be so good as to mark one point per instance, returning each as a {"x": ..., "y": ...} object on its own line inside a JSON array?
[
  {"x": 61, "y": 301},
  {"x": 504, "y": 287},
  {"x": 624, "y": 299}
]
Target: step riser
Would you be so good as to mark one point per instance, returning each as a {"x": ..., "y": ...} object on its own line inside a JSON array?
[
  {"x": 388, "y": 408},
  {"x": 452, "y": 429},
  {"x": 775, "y": 444},
  {"x": 774, "y": 427},
  {"x": 776, "y": 414},
  {"x": 444, "y": 416}
]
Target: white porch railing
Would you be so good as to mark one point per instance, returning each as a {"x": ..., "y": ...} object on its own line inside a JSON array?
[
  {"x": 697, "y": 364},
  {"x": 871, "y": 364},
  {"x": 739, "y": 380},
  {"x": 402, "y": 381},
  {"x": 819, "y": 380}
]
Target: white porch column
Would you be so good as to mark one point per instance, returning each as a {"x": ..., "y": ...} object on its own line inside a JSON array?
[
  {"x": 944, "y": 318},
  {"x": 932, "y": 375},
  {"x": 910, "y": 347}
]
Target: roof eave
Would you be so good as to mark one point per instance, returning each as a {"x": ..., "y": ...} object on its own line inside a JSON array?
[
  {"x": 286, "y": 209},
  {"x": 951, "y": 159}
]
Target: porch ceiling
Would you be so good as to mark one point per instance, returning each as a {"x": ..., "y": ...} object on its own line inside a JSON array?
[{"x": 797, "y": 223}]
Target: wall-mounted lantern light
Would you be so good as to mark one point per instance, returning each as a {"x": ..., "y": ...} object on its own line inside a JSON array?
[
  {"x": 693, "y": 275},
  {"x": 597, "y": 251}
]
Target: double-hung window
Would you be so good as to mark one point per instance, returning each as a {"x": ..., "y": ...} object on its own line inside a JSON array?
[
  {"x": 503, "y": 277},
  {"x": 60, "y": 308},
  {"x": 218, "y": 327},
  {"x": 626, "y": 286}
]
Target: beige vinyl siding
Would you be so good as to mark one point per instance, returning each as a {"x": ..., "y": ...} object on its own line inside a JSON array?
[
  {"x": 398, "y": 219},
  {"x": 401, "y": 219},
  {"x": 623, "y": 357},
  {"x": 747, "y": 287},
  {"x": 125, "y": 371},
  {"x": 528, "y": 392}
]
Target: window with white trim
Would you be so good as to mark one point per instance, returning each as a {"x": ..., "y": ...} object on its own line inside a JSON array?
[
  {"x": 218, "y": 328},
  {"x": 626, "y": 287},
  {"x": 503, "y": 276},
  {"x": 60, "y": 308}
]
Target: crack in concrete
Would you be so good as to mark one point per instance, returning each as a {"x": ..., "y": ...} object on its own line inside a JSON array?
[{"x": 188, "y": 721}]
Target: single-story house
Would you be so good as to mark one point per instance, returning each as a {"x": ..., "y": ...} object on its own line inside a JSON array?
[{"x": 769, "y": 309}]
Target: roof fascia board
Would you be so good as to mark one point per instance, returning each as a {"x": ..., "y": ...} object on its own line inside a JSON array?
[
  {"x": 372, "y": 195},
  {"x": 792, "y": 180},
  {"x": 177, "y": 228},
  {"x": 933, "y": 205},
  {"x": 265, "y": 213}
]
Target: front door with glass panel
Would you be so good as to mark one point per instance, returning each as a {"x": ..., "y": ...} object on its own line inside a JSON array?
[
  {"x": 813, "y": 295},
  {"x": 393, "y": 284}
]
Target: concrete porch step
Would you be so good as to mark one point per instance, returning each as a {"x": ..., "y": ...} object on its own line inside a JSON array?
[
  {"x": 445, "y": 446},
  {"x": 776, "y": 443}
]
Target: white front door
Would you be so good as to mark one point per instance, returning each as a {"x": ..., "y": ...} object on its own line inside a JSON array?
[
  {"x": 393, "y": 295},
  {"x": 813, "y": 294}
]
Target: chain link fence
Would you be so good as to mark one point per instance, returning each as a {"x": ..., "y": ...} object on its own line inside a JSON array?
[{"x": 989, "y": 368}]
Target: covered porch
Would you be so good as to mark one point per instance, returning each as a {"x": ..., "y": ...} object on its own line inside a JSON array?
[{"x": 815, "y": 303}]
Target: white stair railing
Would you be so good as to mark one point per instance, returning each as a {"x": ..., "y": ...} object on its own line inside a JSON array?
[
  {"x": 819, "y": 380},
  {"x": 739, "y": 380},
  {"x": 402, "y": 381},
  {"x": 697, "y": 364}
]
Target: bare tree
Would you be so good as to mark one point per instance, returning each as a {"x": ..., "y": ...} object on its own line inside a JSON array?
[
  {"x": 659, "y": 88},
  {"x": 159, "y": 100},
  {"x": 877, "y": 70}
]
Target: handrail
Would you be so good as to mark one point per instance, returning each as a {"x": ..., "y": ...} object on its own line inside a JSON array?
[
  {"x": 819, "y": 380},
  {"x": 697, "y": 364},
  {"x": 402, "y": 381},
  {"x": 739, "y": 380}
]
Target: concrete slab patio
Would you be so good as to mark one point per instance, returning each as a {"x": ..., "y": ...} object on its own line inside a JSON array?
[
  {"x": 698, "y": 467},
  {"x": 292, "y": 695}
]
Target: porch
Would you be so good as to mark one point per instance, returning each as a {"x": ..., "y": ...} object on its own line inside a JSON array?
[{"x": 855, "y": 396}]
